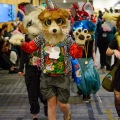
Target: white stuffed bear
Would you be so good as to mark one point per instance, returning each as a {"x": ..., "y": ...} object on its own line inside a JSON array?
[{"x": 17, "y": 39}]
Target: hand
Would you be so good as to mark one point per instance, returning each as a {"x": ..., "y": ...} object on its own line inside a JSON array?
[
  {"x": 95, "y": 64},
  {"x": 21, "y": 73},
  {"x": 117, "y": 54}
]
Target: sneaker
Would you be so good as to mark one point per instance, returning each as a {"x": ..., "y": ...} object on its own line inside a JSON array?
[
  {"x": 89, "y": 97},
  {"x": 13, "y": 72},
  {"x": 102, "y": 67},
  {"x": 85, "y": 99},
  {"x": 79, "y": 93}
]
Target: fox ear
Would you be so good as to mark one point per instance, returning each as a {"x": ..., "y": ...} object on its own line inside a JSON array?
[
  {"x": 64, "y": 12},
  {"x": 44, "y": 14}
]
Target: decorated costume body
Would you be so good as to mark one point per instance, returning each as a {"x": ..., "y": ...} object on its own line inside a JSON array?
[
  {"x": 54, "y": 45},
  {"x": 88, "y": 81}
]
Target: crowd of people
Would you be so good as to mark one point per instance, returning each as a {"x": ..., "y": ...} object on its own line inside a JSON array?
[{"x": 15, "y": 59}]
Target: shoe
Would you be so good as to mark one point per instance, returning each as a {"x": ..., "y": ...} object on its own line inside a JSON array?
[
  {"x": 35, "y": 118},
  {"x": 79, "y": 93},
  {"x": 12, "y": 71},
  {"x": 101, "y": 67},
  {"x": 88, "y": 97},
  {"x": 108, "y": 68},
  {"x": 46, "y": 110},
  {"x": 85, "y": 99}
]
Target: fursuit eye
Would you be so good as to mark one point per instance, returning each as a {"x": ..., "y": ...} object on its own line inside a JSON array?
[
  {"x": 85, "y": 31},
  {"x": 48, "y": 22},
  {"x": 29, "y": 23},
  {"x": 76, "y": 33},
  {"x": 59, "y": 21},
  {"x": 79, "y": 30}
]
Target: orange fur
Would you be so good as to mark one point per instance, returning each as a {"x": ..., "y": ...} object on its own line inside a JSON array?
[
  {"x": 54, "y": 14},
  {"x": 55, "y": 25}
]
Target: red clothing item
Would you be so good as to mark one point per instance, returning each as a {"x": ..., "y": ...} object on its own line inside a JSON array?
[
  {"x": 76, "y": 51},
  {"x": 29, "y": 47}
]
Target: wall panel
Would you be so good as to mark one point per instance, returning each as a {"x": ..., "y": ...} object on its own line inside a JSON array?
[{"x": 16, "y": 2}]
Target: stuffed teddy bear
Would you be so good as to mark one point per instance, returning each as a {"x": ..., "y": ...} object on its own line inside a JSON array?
[{"x": 83, "y": 31}]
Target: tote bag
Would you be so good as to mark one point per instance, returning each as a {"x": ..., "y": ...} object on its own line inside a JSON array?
[
  {"x": 107, "y": 82},
  {"x": 90, "y": 77}
]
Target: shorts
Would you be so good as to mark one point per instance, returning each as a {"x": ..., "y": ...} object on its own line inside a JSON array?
[{"x": 58, "y": 86}]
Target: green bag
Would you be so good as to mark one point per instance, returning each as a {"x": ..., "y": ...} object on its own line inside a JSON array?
[
  {"x": 107, "y": 82},
  {"x": 90, "y": 82}
]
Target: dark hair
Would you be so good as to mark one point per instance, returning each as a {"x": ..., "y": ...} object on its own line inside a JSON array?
[
  {"x": 118, "y": 22},
  {"x": 2, "y": 41},
  {"x": 4, "y": 25},
  {"x": 1, "y": 30}
]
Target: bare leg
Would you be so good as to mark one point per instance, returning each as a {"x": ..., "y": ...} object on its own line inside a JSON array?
[
  {"x": 52, "y": 108},
  {"x": 117, "y": 102},
  {"x": 65, "y": 108}
]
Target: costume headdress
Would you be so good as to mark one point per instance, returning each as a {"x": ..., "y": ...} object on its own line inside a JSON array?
[
  {"x": 51, "y": 5},
  {"x": 83, "y": 11},
  {"x": 24, "y": 8}
]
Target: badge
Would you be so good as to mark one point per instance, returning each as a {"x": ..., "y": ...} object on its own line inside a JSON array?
[
  {"x": 86, "y": 62},
  {"x": 54, "y": 54},
  {"x": 65, "y": 30},
  {"x": 78, "y": 73},
  {"x": 104, "y": 34}
]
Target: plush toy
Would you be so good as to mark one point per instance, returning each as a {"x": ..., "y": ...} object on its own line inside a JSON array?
[
  {"x": 24, "y": 8},
  {"x": 107, "y": 26},
  {"x": 111, "y": 17},
  {"x": 83, "y": 11},
  {"x": 83, "y": 31},
  {"x": 81, "y": 36}
]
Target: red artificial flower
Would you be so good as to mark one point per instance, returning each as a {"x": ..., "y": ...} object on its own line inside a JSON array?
[{"x": 76, "y": 51}]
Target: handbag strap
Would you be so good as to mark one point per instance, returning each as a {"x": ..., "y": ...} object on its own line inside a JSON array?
[{"x": 116, "y": 66}]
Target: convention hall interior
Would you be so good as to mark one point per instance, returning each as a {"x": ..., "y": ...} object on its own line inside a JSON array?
[{"x": 78, "y": 92}]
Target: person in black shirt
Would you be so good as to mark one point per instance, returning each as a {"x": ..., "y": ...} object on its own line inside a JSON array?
[
  {"x": 32, "y": 80},
  {"x": 114, "y": 49}
]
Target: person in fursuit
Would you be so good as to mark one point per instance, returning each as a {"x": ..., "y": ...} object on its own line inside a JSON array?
[
  {"x": 31, "y": 62},
  {"x": 114, "y": 49},
  {"x": 54, "y": 45}
]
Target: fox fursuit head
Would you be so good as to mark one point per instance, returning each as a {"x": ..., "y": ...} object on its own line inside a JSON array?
[{"x": 55, "y": 25}]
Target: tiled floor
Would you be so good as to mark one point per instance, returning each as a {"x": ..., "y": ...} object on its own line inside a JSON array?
[{"x": 14, "y": 101}]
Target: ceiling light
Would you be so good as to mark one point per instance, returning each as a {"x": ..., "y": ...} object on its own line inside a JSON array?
[{"x": 64, "y": 1}]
